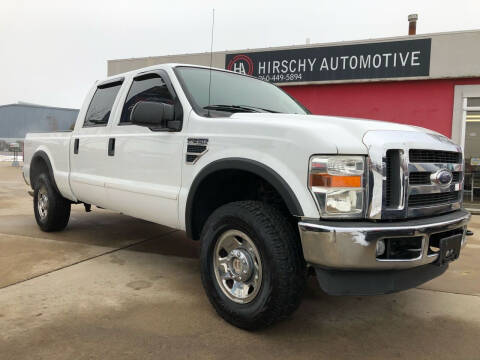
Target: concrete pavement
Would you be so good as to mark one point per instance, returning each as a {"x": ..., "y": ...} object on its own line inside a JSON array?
[{"x": 113, "y": 287}]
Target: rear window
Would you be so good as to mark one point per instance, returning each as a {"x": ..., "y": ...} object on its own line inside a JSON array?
[{"x": 101, "y": 105}]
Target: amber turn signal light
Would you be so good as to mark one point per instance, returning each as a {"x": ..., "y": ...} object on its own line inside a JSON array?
[{"x": 326, "y": 180}]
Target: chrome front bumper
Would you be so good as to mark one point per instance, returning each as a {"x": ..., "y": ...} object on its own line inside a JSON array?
[{"x": 351, "y": 245}]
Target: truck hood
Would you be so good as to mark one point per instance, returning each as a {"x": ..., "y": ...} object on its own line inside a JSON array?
[{"x": 343, "y": 133}]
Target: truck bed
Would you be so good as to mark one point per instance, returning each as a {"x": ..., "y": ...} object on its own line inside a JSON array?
[{"x": 56, "y": 145}]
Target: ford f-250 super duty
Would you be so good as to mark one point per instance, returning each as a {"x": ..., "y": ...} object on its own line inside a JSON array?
[{"x": 271, "y": 191}]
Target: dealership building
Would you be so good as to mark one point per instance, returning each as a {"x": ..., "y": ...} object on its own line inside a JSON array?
[{"x": 428, "y": 80}]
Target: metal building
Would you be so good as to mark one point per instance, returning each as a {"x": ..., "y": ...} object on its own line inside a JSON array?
[{"x": 16, "y": 120}]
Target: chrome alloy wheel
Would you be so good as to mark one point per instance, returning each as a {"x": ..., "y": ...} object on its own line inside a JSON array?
[
  {"x": 42, "y": 202},
  {"x": 238, "y": 266}
]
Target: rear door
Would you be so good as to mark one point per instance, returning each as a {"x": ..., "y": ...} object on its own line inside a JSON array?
[
  {"x": 89, "y": 146},
  {"x": 144, "y": 164}
]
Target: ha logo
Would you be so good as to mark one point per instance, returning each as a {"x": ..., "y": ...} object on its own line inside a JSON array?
[{"x": 241, "y": 64}]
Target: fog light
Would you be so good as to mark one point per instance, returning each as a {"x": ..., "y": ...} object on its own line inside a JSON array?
[{"x": 380, "y": 248}]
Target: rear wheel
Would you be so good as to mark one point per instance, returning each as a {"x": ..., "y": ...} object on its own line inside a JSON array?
[
  {"x": 52, "y": 210},
  {"x": 252, "y": 266}
]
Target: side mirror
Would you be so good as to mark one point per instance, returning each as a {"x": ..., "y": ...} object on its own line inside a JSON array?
[{"x": 152, "y": 114}]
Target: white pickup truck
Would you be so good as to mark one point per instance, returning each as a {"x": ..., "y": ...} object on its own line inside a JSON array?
[{"x": 271, "y": 191}]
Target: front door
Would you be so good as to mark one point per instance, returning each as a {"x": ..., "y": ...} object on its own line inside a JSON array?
[{"x": 145, "y": 165}]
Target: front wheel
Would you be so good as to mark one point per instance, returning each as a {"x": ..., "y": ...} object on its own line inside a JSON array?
[
  {"x": 252, "y": 267},
  {"x": 52, "y": 210}
]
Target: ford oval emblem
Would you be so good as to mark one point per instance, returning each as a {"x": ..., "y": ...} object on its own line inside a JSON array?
[{"x": 442, "y": 177}]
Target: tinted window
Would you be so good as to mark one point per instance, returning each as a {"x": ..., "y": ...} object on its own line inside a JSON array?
[
  {"x": 147, "y": 88},
  {"x": 101, "y": 105}
]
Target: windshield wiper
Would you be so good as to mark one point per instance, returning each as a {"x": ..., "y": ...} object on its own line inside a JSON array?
[
  {"x": 260, "y": 108},
  {"x": 238, "y": 108},
  {"x": 230, "y": 108}
]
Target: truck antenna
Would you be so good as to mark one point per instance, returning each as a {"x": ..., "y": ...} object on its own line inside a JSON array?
[{"x": 211, "y": 60}]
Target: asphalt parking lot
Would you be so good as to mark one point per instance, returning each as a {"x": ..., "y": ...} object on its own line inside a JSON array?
[{"x": 113, "y": 287}]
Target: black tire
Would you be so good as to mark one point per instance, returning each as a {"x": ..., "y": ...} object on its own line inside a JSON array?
[
  {"x": 57, "y": 207},
  {"x": 282, "y": 263}
]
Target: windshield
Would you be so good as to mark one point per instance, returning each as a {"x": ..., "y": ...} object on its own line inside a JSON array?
[{"x": 234, "y": 93}]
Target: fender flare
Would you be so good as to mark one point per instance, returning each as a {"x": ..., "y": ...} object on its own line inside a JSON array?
[
  {"x": 252, "y": 166},
  {"x": 43, "y": 155}
]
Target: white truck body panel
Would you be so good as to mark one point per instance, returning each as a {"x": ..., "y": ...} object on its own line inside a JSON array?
[{"x": 56, "y": 146}]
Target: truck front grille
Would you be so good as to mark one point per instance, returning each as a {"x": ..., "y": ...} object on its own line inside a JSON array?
[
  {"x": 408, "y": 174},
  {"x": 419, "y": 200},
  {"x": 393, "y": 183},
  {"x": 434, "y": 156},
  {"x": 423, "y": 178},
  {"x": 389, "y": 177},
  {"x": 419, "y": 178},
  {"x": 420, "y": 192}
]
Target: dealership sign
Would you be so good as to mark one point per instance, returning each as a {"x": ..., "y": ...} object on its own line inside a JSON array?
[{"x": 408, "y": 58}]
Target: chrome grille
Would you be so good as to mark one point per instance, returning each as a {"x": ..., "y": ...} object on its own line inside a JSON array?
[
  {"x": 389, "y": 181},
  {"x": 432, "y": 199},
  {"x": 434, "y": 156},
  {"x": 423, "y": 192},
  {"x": 419, "y": 178},
  {"x": 403, "y": 168},
  {"x": 423, "y": 178},
  {"x": 393, "y": 183}
]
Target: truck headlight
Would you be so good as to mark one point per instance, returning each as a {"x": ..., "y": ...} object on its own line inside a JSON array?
[{"x": 338, "y": 184}]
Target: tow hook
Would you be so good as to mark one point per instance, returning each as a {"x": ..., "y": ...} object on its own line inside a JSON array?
[{"x": 469, "y": 232}]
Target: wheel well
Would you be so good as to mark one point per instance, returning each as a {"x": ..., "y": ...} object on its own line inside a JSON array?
[
  {"x": 40, "y": 164},
  {"x": 225, "y": 186},
  {"x": 37, "y": 167}
]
